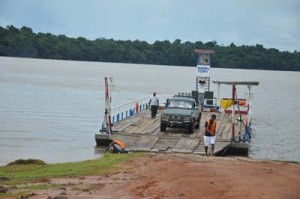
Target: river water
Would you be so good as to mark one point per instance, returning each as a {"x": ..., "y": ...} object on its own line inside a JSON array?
[{"x": 51, "y": 109}]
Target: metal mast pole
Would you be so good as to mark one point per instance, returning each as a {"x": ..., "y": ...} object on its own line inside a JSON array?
[
  {"x": 249, "y": 104},
  {"x": 219, "y": 95},
  {"x": 233, "y": 112},
  {"x": 107, "y": 107}
]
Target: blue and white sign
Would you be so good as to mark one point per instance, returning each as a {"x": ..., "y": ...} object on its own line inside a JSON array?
[{"x": 203, "y": 70}]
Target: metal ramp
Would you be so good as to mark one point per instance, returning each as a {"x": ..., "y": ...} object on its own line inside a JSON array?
[
  {"x": 164, "y": 144},
  {"x": 186, "y": 145},
  {"x": 145, "y": 143}
]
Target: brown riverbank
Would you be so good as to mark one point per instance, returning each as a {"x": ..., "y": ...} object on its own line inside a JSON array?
[{"x": 184, "y": 176}]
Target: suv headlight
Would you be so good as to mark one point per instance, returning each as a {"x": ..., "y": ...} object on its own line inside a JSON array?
[
  {"x": 164, "y": 117},
  {"x": 187, "y": 118}
]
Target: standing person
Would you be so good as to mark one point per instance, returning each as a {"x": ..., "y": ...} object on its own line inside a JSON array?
[
  {"x": 154, "y": 103},
  {"x": 210, "y": 134}
]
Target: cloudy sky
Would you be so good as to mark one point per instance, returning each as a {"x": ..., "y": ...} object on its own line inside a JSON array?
[{"x": 272, "y": 23}]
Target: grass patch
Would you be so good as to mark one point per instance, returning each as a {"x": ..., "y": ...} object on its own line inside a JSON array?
[
  {"x": 26, "y": 173},
  {"x": 29, "y": 161},
  {"x": 287, "y": 161},
  {"x": 38, "y": 187},
  {"x": 14, "y": 195},
  {"x": 28, "y": 190}
]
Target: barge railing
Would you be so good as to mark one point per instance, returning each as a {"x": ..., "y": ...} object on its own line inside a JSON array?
[{"x": 134, "y": 107}]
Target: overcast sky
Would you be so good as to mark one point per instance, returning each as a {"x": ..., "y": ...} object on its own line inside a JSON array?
[{"x": 272, "y": 23}]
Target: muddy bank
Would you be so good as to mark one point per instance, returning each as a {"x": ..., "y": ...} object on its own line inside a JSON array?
[{"x": 183, "y": 176}]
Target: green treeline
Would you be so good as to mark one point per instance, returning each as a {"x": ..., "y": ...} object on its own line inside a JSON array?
[{"x": 24, "y": 42}]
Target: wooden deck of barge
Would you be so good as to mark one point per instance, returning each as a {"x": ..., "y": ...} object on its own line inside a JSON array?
[{"x": 142, "y": 133}]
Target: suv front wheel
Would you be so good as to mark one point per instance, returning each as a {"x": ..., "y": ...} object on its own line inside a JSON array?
[
  {"x": 198, "y": 122},
  {"x": 163, "y": 127},
  {"x": 191, "y": 128}
]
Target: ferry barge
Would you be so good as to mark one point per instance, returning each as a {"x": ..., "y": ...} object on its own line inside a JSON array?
[{"x": 132, "y": 123}]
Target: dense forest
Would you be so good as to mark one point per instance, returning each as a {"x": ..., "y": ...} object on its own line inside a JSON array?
[{"x": 24, "y": 42}]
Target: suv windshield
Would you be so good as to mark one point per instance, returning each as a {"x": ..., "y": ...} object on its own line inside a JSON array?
[{"x": 180, "y": 104}]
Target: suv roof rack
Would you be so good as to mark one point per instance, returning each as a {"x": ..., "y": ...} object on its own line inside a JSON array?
[
  {"x": 183, "y": 95},
  {"x": 186, "y": 95}
]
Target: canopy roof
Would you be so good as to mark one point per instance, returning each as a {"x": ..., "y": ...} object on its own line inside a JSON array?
[{"x": 237, "y": 83}]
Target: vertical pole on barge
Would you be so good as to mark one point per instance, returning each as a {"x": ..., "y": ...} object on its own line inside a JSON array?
[
  {"x": 249, "y": 103},
  {"x": 233, "y": 113},
  {"x": 107, "y": 108},
  {"x": 219, "y": 95}
]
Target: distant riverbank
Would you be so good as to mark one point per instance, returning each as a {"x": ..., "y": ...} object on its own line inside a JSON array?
[{"x": 178, "y": 53}]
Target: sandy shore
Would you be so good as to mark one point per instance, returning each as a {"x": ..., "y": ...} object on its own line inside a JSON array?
[{"x": 184, "y": 176}]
